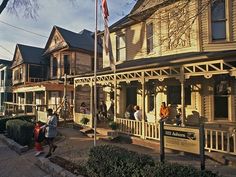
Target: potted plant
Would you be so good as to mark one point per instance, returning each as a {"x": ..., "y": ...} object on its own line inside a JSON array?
[
  {"x": 113, "y": 133},
  {"x": 84, "y": 121}
]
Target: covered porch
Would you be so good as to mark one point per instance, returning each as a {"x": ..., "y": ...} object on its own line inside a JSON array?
[
  {"x": 203, "y": 88},
  {"x": 35, "y": 99}
]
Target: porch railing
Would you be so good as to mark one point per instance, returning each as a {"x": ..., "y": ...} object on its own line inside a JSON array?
[
  {"x": 220, "y": 141},
  {"x": 215, "y": 140}
]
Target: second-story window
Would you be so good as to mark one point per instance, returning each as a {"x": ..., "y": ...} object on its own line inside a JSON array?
[
  {"x": 149, "y": 36},
  {"x": 218, "y": 20},
  {"x": 120, "y": 48},
  {"x": 66, "y": 64},
  {"x": 54, "y": 67}
]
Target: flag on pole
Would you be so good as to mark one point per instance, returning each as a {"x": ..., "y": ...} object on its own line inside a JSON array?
[{"x": 107, "y": 40}]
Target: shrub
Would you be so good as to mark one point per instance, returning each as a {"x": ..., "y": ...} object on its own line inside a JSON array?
[
  {"x": 20, "y": 131},
  {"x": 107, "y": 161},
  {"x": 113, "y": 125},
  {"x": 84, "y": 121},
  {"x": 3, "y": 121},
  {"x": 176, "y": 170}
]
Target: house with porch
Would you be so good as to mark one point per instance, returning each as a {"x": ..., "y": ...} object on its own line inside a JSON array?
[
  {"x": 182, "y": 53},
  {"x": 41, "y": 75},
  {"x": 5, "y": 83}
]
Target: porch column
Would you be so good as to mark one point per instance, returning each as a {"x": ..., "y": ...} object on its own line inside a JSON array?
[
  {"x": 143, "y": 105},
  {"x": 182, "y": 83},
  {"x": 25, "y": 108},
  {"x": 46, "y": 99},
  {"x": 115, "y": 98},
  {"x": 92, "y": 112},
  {"x": 34, "y": 103}
]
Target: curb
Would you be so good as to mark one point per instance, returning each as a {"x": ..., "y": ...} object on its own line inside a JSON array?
[
  {"x": 53, "y": 169},
  {"x": 13, "y": 145}
]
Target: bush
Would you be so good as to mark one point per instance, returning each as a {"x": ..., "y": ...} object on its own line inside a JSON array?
[
  {"x": 5, "y": 119},
  {"x": 20, "y": 131},
  {"x": 176, "y": 170},
  {"x": 113, "y": 125},
  {"x": 84, "y": 121},
  {"x": 107, "y": 161}
]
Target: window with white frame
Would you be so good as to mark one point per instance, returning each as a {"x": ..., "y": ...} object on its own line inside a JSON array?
[
  {"x": 218, "y": 20},
  {"x": 120, "y": 48},
  {"x": 149, "y": 35}
]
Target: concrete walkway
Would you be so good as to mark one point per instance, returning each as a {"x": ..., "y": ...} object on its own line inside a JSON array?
[{"x": 14, "y": 165}]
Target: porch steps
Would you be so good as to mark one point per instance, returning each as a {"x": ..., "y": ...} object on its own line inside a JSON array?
[{"x": 218, "y": 157}]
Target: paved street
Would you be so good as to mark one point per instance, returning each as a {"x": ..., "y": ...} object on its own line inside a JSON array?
[{"x": 14, "y": 165}]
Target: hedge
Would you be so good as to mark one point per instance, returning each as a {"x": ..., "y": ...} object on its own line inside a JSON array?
[
  {"x": 176, "y": 170},
  {"x": 20, "y": 131},
  {"x": 113, "y": 161},
  {"x": 22, "y": 117},
  {"x": 107, "y": 161}
]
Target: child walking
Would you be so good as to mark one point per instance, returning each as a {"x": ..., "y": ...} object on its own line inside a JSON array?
[{"x": 38, "y": 138}]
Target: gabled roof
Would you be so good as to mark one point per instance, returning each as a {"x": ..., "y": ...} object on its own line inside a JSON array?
[
  {"x": 83, "y": 40},
  {"x": 145, "y": 8},
  {"x": 30, "y": 54},
  {"x": 5, "y": 62}
]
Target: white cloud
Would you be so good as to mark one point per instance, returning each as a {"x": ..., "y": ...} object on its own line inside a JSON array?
[{"x": 74, "y": 16}]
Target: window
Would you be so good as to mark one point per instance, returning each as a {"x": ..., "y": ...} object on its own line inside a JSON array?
[
  {"x": 149, "y": 34},
  {"x": 174, "y": 95},
  {"x": 120, "y": 48},
  {"x": 66, "y": 64},
  {"x": 18, "y": 74},
  {"x": 218, "y": 20},
  {"x": 54, "y": 67}
]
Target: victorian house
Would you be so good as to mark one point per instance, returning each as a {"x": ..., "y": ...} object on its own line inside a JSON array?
[
  {"x": 183, "y": 54},
  {"x": 42, "y": 76},
  {"x": 5, "y": 83}
]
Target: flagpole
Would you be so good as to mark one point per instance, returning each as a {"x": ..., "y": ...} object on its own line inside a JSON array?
[{"x": 95, "y": 74}]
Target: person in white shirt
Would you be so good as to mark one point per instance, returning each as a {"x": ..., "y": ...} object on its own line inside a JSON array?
[{"x": 137, "y": 113}]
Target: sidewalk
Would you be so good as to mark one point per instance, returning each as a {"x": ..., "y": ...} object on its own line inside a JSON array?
[{"x": 14, "y": 165}]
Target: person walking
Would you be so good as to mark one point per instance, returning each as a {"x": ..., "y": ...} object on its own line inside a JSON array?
[{"x": 50, "y": 131}]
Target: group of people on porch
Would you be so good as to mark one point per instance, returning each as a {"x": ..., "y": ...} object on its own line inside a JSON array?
[{"x": 134, "y": 113}]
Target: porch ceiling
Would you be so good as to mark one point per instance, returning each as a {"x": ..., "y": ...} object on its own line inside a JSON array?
[{"x": 178, "y": 66}]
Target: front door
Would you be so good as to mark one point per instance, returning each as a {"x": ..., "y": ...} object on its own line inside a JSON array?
[{"x": 131, "y": 96}]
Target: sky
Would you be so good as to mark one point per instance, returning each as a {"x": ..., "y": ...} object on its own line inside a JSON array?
[{"x": 74, "y": 16}]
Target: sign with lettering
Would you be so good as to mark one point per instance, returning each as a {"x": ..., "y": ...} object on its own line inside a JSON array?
[{"x": 182, "y": 139}]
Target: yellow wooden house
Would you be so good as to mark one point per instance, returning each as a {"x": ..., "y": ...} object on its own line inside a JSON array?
[{"x": 181, "y": 53}]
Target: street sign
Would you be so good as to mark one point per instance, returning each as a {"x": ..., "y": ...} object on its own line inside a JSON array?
[{"x": 182, "y": 139}]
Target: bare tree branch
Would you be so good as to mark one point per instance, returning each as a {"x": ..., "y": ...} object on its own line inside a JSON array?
[{"x": 3, "y": 5}]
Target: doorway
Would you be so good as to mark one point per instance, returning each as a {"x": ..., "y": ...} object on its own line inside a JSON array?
[{"x": 131, "y": 96}]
